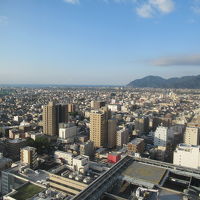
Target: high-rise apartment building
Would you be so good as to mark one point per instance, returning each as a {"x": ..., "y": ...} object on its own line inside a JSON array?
[
  {"x": 187, "y": 156},
  {"x": 98, "y": 128},
  {"x": 191, "y": 136},
  {"x": 122, "y": 137},
  {"x": 112, "y": 130},
  {"x": 71, "y": 108},
  {"x": 49, "y": 119},
  {"x": 28, "y": 156},
  {"x": 52, "y": 115},
  {"x": 141, "y": 125},
  {"x": 62, "y": 113},
  {"x": 161, "y": 137}
]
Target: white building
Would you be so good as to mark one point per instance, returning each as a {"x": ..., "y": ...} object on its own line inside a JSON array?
[
  {"x": 125, "y": 108},
  {"x": 68, "y": 133},
  {"x": 81, "y": 163},
  {"x": 187, "y": 156},
  {"x": 65, "y": 156},
  {"x": 122, "y": 137},
  {"x": 114, "y": 107},
  {"x": 161, "y": 137},
  {"x": 191, "y": 136},
  {"x": 17, "y": 118}
]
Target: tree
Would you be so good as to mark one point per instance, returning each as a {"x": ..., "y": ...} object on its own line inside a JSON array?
[
  {"x": 42, "y": 144},
  {"x": 30, "y": 142}
]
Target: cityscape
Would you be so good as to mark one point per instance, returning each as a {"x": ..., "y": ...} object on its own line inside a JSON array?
[
  {"x": 99, "y": 100},
  {"x": 99, "y": 143}
]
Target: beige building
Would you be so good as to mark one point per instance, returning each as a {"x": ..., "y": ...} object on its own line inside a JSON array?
[
  {"x": 53, "y": 115},
  {"x": 191, "y": 136},
  {"x": 136, "y": 146},
  {"x": 187, "y": 156},
  {"x": 98, "y": 128},
  {"x": 141, "y": 125},
  {"x": 71, "y": 108},
  {"x": 122, "y": 137},
  {"x": 28, "y": 156},
  {"x": 112, "y": 129},
  {"x": 49, "y": 119},
  {"x": 97, "y": 104}
]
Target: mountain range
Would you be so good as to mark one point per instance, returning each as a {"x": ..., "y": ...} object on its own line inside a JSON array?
[{"x": 189, "y": 82}]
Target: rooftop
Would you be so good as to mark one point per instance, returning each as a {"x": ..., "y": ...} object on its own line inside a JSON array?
[
  {"x": 136, "y": 141},
  {"x": 145, "y": 172},
  {"x": 27, "y": 191}
]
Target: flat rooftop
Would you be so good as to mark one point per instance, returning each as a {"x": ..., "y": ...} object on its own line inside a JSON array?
[
  {"x": 27, "y": 191},
  {"x": 136, "y": 141},
  {"x": 144, "y": 172}
]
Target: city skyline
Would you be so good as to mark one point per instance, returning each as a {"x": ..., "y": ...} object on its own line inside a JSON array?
[{"x": 99, "y": 42}]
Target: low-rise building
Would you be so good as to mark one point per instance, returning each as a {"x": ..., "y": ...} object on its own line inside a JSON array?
[
  {"x": 61, "y": 156},
  {"x": 136, "y": 146},
  {"x": 68, "y": 132},
  {"x": 28, "y": 156},
  {"x": 81, "y": 163}
]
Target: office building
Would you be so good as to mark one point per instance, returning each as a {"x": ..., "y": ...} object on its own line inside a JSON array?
[
  {"x": 161, "y": 137},
  {"x": 81, "y": 164},
  {"x": 68, "y": 132},
  {"x": 187, "y": 156},
  {"x": 191, "y": 136},
  {"x": 87, "y": 148}
]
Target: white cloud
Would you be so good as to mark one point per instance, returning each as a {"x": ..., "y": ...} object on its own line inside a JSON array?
[
  {"x": 145, "y": 11},
  {"x": 151, "y": 7},
  {"x": 183, "y": 60},
  {"x": 72, "y": 1},
  {"x": 3, "y": 20},
  {"x": 196, "y": 6},
  {"x": 164, "y": 6}
]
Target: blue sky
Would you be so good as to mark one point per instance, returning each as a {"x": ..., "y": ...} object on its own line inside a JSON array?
[{"x": 97, "y": 41}]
